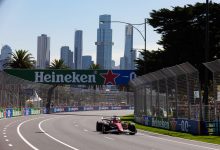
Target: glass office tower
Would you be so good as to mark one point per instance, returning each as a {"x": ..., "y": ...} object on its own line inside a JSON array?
[{"x": 104, "y": 42}]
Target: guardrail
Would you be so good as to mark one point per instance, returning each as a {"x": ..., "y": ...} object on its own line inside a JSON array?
[{"x": 14, "y": 112}]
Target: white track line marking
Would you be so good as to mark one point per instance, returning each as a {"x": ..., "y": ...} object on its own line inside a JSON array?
[
  {"x": 85, "y": 130},
  {"x": 10, "y": 145},
  {"x": 204, "y": 147},
  {"x": 5, "y": 136},
  {"x": 22, "y": 137},
  {"x": 109, "y": 138},
  {"x": 6, "y": 140},
  {"x": 39, "y": 125}
]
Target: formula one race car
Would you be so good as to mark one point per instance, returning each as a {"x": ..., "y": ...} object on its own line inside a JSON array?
[{"x": 115, "y": 125}]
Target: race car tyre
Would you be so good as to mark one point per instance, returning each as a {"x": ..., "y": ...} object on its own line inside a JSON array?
[
  {"x": 132, "y": 129},
  {"x": 98, "y": 126},
  {"x": 104, "y": 129}
]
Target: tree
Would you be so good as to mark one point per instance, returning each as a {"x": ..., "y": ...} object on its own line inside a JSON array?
[
  {"x": 182, "y": 32},
  {"x": 94, "y": 67},
  {"x": 55, "y": 64},
  {"x": 58, "y": 64},
  {"x": 152, "y": 60},
  {"x": 21, "y": 59}
]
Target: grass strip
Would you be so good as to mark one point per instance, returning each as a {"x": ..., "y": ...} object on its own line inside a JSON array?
[{"x": 203, "y": 138}]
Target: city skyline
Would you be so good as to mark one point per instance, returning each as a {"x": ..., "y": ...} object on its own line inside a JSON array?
[{"x": 22, "y": 22}]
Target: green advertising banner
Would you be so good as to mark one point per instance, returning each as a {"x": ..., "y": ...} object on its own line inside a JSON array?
[
  {"x": 1, "y": 113},
  {"x": 16, "y": 112},
  {"x": 77, "y": 77},
  {"x": 35, "y": 111}
]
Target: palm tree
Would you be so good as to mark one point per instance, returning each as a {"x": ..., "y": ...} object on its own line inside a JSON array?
[
  {"x": 94, "y": 67},
  {"x": 58, "y": 64},
  {"x": 21, "y": 59},
  {"x": 55, "y": 64}
]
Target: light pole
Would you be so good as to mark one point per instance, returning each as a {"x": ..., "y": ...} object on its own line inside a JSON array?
[
  {"x": 134, "y": 26},
  {"x": 206, "y": 78}
]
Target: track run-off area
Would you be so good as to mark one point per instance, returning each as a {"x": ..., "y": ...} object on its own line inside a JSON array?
[{"x": 77, "y": 131}]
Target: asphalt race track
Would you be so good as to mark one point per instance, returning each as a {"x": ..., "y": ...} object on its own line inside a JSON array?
[{"x": 76, "y": 131}]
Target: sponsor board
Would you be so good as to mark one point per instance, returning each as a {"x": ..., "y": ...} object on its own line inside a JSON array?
[
  {"x": 26, "y": 111},
  {"x": 16, "y": 112},
  {"x": 180, "y": 125},
  {"x": 116, "y": 108},
  {"x": 72, "y": 109},
  {"x": 88, "y": 108},
  {"x": 103, "y": 108},
  {"x": 35, "y": 111},
  {"x": 9, "y": 112},
  {"x": 1, "y": 114},
  {"x": 76, "y": 77}
]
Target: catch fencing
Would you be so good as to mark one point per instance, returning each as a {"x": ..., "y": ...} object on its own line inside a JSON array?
[
  {"x": 214, "y": 99},
  {"x": 172, "y": 92}
]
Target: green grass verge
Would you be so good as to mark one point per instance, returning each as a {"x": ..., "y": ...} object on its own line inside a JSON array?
[{"x": 203, "y": 138}]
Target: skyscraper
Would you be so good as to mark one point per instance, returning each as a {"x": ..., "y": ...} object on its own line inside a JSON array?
[
  {"x": 128, "y": 58},
  {"x": 104, "y": 42},
  {"x": 86, "y": 61},
  {"x": 67, "y": 56},
  {"x": 5, "y": 52},
  {"x": 78, "y": 48},
  {"x": 122, "y": 63},
  {"x": 5, "y": 55},
  {"x": 133, "y": 58},
  {"x": 43, "y": 51}
]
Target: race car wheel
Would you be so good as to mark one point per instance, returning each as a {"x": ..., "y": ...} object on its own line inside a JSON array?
[
  {"x": 98, "y": 126},
  {"x": 132, "y": 129},
  {"x": 104, "y": 129}
]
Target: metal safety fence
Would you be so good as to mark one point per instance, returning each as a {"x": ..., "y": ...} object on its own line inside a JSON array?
[
  {"x": 214, "y": 99},
  {"x": 172, "y": 92}
]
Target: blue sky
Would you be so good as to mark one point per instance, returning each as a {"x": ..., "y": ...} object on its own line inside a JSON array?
[{"x": 21, "y": 21}]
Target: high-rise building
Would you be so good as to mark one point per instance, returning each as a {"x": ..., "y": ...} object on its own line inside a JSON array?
[
  {"x": 133, "y": 58},
  {"x": 5, "y": 52},
  {"x": 86, "y": 61},
  {"x": 104, "y": 42},
  {"x": 122, "y": 63},
  {"x": 78, "y": 48},
  {"x": 5, "y": 55},
  {"x": 67, "y": 56},
  {"x": 43, "y": 51},
  {"x": 113, "y": 64},
  {"x": 128, "y": 60}
]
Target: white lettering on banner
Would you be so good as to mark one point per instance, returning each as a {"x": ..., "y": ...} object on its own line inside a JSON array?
[
  {"x": 59, "y": 78},
  {"x": 88, "y": 108},
  {"x": 103, "y": 108},
  {"x": 47, "y": 78},
  {"x": 116, "y": 108},
  {"x": 83, "y": 78},
  {"x": 160, "y": 123},
  {"x": 75, "y": 77},
  {"x": 39, "y": 76},
  {"x": 184, "y": 126},
  {"x": 68, "y": 78}
]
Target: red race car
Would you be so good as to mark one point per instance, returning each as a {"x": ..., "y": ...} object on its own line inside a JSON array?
[{"x": 115, "y": 125}]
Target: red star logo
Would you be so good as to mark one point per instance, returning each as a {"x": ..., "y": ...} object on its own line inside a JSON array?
[{"x": 109, "y": 77}]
